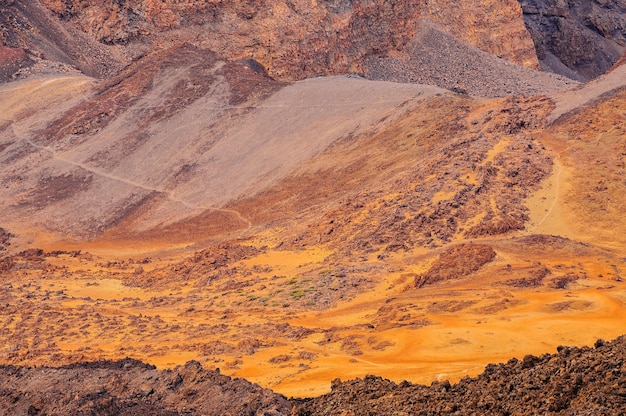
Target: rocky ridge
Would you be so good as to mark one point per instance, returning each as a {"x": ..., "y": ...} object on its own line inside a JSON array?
[
  {"x": 574, "y": 381},
  {"x": 129, "y": 387},
  {"x": 296, "y": 40},
  {"x": 293, "y": 40}
]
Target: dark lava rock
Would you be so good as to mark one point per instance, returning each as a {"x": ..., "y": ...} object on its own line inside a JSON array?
[
  {"x": 130, "y": 387},
  {"x": 575, "y": 381},
  {"x": 580, "y": 39}
]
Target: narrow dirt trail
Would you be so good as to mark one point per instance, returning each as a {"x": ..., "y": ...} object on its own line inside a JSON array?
[
  {"x": 555, "y": 219},
  {"x": 556, "y": 186}
]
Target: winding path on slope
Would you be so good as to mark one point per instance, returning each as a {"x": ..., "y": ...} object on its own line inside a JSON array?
[
  {"x": 555, "y": 181},
  {"x": 170, "y": 195},
  {"x": 552, "y": 191}
]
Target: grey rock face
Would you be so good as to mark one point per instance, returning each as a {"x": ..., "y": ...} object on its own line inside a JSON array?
[{"x": 577, "y": 38}]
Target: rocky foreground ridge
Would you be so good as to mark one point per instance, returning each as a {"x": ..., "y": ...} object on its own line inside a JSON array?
[
  {"x": 574, "y": 381},
  {"x": 130, "y": 387}
]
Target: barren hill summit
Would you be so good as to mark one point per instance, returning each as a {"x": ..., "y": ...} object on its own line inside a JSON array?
[{"x": 298, "y": 191}]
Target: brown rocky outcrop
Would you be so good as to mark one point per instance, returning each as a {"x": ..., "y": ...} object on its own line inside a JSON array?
[
  {"x": 456, "y": 262},
  {"x": 5, "y": 238}
]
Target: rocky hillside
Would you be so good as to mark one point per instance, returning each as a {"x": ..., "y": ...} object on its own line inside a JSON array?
[
  {"x": 293, "y": 40},
  {"x": 301, "y": 39},
  {"x": 296, "y": 40}
]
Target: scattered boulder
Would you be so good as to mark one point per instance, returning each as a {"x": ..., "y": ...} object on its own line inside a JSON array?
[{"x": 5, "y": 239}]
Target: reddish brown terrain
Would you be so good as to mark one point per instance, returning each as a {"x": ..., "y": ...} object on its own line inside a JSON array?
[{"x": 400, "y": 192}]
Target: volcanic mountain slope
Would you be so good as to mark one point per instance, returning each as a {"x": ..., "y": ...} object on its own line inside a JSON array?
[
  {"x": 192, "y": 207},
  {"x": 216, "y": 130},
  {"x": 199, "y": 117},
  {"x": 354, "y": 261}
]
